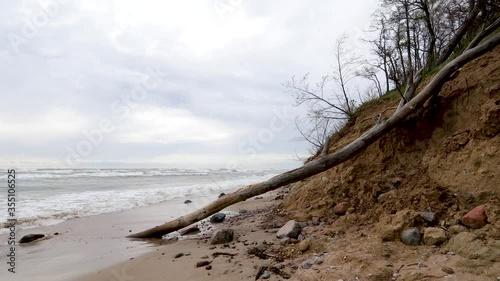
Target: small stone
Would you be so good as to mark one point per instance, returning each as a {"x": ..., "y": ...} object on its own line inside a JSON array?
[
  {"x": 208, "y": 267},
  {"x": 202, "y": 263},
  {"x": 178, "y": 255},
  {"x": 57, "y": 233},
  {"x": 285, "y": 241},
  {"x": 258, "y": 198},
  {"x": 475, "y": 218},
  {"x": 341, "y": 208},
  {"x": 188, "y": 201},
  {"x": 315, "y": 221},
  {"x": 304, "y": 245},
  {"x": 30, "y": 238},
  {"x": 429, "y": 217},
  {"x": 448, "y": 270},
  {"x": 265, "y": 275},
  {"x": 434, "y": 236},
  {"x": 217, "y": 218},
  {"x": 411, "y": 237},
  {"x": 301, "y": 237},
  {"x": 306, "y": 264},
  {"x": 222, "y": 194},
  {"x": 291, "y": 229},
  {"x": 222, "y": 236}
]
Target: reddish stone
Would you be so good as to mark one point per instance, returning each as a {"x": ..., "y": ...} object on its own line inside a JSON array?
[
  {"x": 341, "y": 208},
  {"x": 475, "y": 218}
]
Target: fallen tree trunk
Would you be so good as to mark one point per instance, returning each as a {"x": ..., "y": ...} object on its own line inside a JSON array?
[{"x": 331, "y": 160}]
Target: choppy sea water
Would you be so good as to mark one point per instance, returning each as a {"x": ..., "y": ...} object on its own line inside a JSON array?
[{"x": 49, "y": 196}]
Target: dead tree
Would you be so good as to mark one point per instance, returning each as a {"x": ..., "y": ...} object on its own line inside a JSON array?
[{"x": 324, "y": 163}]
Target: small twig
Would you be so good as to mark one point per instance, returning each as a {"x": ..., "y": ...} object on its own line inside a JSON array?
[{"x": 216, "y": 254}]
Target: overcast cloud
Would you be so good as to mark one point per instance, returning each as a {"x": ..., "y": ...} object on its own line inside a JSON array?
[{"x": 161, "y": 83}]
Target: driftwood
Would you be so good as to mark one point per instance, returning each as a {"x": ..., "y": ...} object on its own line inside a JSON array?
[{"x": 328, "y": 161}]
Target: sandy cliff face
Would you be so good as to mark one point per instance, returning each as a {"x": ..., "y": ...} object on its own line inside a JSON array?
[{"x": 445, "y": 158}]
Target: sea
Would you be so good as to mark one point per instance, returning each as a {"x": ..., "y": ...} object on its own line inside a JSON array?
[{"x": 49, "y": 196}]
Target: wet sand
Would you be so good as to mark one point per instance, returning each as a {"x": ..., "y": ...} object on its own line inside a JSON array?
[{"x": 94, "y": 244}]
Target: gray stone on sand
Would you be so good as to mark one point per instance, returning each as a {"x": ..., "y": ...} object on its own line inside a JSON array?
[
  {"x": 411, "y": 237},
  {"x": 265, "y": 275},
  {"x": 217, "y": 218},
  {"x": 291, "y": 229},
  {"x": 222, "y": 236}
]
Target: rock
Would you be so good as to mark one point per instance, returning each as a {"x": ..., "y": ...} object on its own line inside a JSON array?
[
  {"x": 391, "y": 226},
  {"x": 434, "y": 236},
  {"x": 304, "y": 245},
  {"x": 411, "y": 237},
  {"x": 315, "y": 221},
  {"x": 202, "y": 263},
  {"x": 469, "y": 245},
  {"x": 291, "y": 229},
  {"x": 193, "y": 229},
  {"x": 188, "y": 201},
  {"x": 475, "y": 218},
  {"x": 217, "y": 218},
  {"x": 448, "y": 270},
  {"x": 456, "y": 229},
  {"x": 306, "y": 264},
  {"x": 178, "y": 255},
  {"x": 341, "y": 208},
  {"x": 208, "y": 267},
  {"x": 222, "y": 194},
  {"x": 318, "y": 260},
  {"x": 30, "y": 238},
  {"x": 265, "y": 275},
  {"x": 222, "y": 236},
  {"x": 56, "y": 233},
  {"x": 429, "y": 217},
  {"x": 258, "y": 198},
  {"x": 300, "y": 237}
]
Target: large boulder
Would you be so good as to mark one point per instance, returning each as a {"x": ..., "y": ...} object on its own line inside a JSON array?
[
  {"x": 434, "y": 236},
  {"x": 30, "y": 238},
  {"x": 217, "y": 218},
  {"x": 222, "y": 236},
  {"x": 475, "y": 218},
  {"x": 291, "y": 229}
]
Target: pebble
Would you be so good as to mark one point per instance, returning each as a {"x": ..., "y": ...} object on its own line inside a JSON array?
[
  {"x": 178, "y": 255},
  {"x": 217, "y": 218},
  {"x": 341, "y": 208},
  {"x": 291, "y": 229},
  {"x": 304, "y": 245},
  {"x": 202, "y": 263},
  {"x": 265, "y": 275},
  {"x": 208, "y": 267}
]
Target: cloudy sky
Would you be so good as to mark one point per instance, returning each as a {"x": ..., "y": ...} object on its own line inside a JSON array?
[{"x": 161, "y": 83}]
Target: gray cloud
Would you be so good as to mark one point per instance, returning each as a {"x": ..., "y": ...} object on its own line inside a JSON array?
[{"x": 221, "y": 88}]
